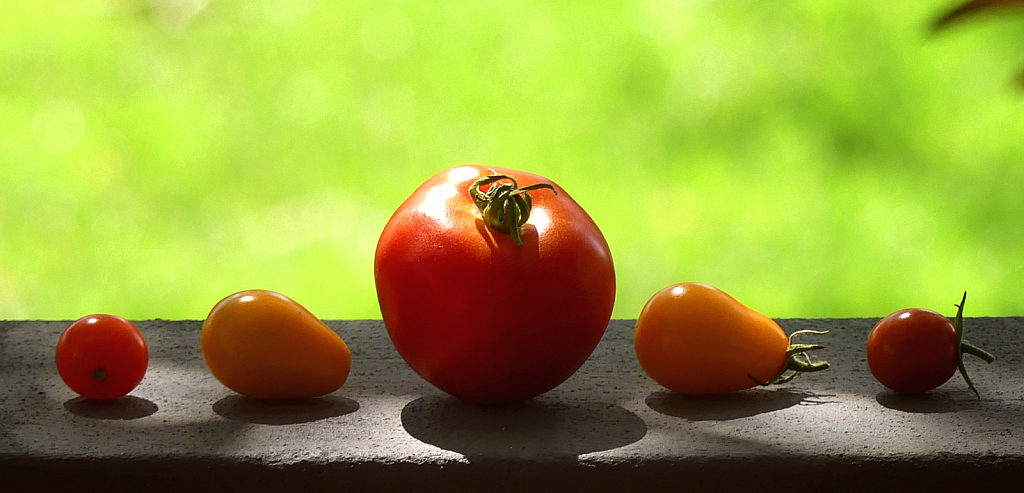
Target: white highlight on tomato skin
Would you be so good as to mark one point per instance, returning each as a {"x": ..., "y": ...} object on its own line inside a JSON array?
[
  {"x": 678, "y": 291},
  {"x": 463, "y": 173},
  {"x": 247, "y": 298},
  {"x": 540, "y": 220},
  {"x": 435, "y": 200}
]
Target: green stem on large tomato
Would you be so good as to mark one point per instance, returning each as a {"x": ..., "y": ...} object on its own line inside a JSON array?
[
  {"x": 505, "y": 207},
  {"x": 797, "y": 361},
  {"x": 963, "y": 346}
]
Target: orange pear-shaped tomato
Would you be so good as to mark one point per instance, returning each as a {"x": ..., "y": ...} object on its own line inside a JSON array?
[
  {"x": 696, "y": 339},
  {"x": 262, "y": 344}
]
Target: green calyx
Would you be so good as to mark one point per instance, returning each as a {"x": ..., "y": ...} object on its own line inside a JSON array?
[
  {"x": 504, "y": 206},
  {"x": 963, "y": 346},
  {"x": 797, "y": 361}
]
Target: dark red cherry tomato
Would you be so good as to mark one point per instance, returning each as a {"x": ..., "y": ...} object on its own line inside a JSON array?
[
  {"x": 102, "y": 356},
  {"x": 916, "y": 350}
]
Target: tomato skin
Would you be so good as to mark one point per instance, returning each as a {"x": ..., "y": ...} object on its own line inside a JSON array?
[
  {"x": 913, "y": 350},
  {"x": 264, "y": 345},
  {"x": 476, "y": 315},
  {"x": 103, "y": 346},
  {"x": 696, "y": 339}
]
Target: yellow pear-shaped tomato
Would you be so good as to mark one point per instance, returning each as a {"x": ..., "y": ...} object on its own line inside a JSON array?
[
  {"x": 696, "y": 339},
  {"x": 262, "y": 344}
]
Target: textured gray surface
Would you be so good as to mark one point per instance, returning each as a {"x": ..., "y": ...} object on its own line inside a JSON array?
[{"x": 607, "y": 428}]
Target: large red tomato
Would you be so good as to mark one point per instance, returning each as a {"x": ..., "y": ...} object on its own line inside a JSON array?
[{"x": 487, "y": 312}]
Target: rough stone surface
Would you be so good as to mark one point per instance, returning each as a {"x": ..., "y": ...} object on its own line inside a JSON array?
[{"x": 608, "y": 428}]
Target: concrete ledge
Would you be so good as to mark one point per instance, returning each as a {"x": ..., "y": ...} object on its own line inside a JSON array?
[{"x": 608, "y": 428}]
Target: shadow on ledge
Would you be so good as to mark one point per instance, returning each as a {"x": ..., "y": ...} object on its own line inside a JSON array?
[
  {"x": 725, "y": 407},
  {"x": 934, "y": 402},
  {"x": 530, "y": 430},
  {"x": 127, "y": 407},
  {"x": 283, "y": 411}
]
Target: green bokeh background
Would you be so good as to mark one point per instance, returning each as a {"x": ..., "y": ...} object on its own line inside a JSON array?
[{"x": 812, "y": 158}]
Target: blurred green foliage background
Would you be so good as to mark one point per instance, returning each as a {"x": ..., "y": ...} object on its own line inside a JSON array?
[{"x": 812, "y": 158}]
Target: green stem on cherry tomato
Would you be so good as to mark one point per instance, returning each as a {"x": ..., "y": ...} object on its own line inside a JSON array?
[
  {"x": 963, "y": 346},
  {"x": 968, "y": 348},
  {"x": 99, "y": 374},
  {"x": 797, "y": 361},
  {"x": 505, "y": 207}
]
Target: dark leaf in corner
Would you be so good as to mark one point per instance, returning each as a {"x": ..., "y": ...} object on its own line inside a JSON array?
[{"x": 974, "y": 7}]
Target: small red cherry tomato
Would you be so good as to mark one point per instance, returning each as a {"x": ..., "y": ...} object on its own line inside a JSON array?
[
  {"x": 916, "y": 350},
  {"x": 913, "y": 350},
  {"x": 102, "y": 356}
]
